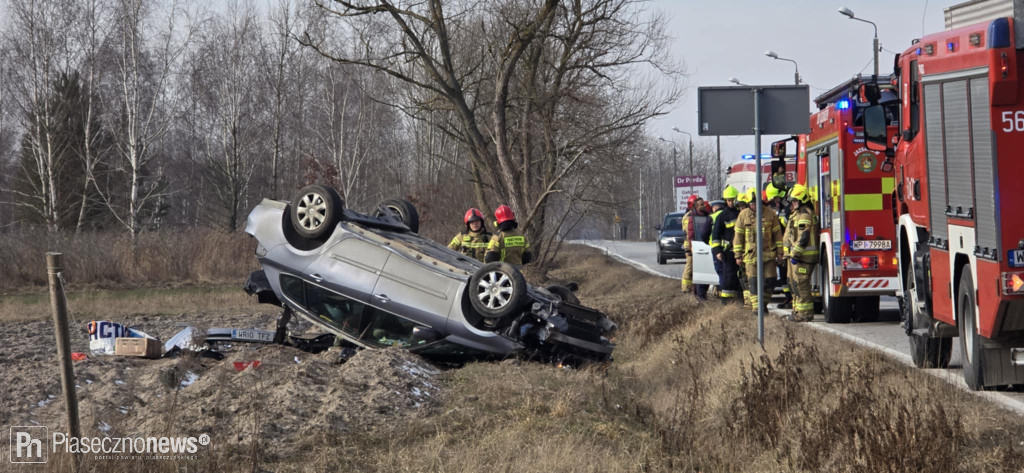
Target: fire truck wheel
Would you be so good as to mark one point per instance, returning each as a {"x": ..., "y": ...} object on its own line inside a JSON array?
[
  {"x": 865, "y": 309},
  {"x": 925, "y": 351},
  {"x": 837, "y": 310},
  {"x": 970, "y": 341}
]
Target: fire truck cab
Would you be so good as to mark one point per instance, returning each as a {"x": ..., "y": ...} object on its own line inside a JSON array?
[
  {"x": 853, "y": 198},
  {"x": 957, "y": 158}
]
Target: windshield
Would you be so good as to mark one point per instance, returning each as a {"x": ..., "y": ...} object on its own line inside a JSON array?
[{"x": 673, "y": 223}]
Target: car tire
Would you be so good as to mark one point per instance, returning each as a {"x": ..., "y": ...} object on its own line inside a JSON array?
[
  {"x": 315, "y": 211},
  {"x": 563, "y": 293},
  {"x": 497, "y": 290},
  {"x": 402, "y": 210},
  {"x": 662, "y": 259},
  {"x": 865, "y": 309},
  {"x": 970, "y": 342}
]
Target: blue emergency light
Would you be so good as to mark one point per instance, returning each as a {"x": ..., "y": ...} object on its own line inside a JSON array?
[
  {"x": 843, "y": 104},
  {"x": 750, "y": 157}
]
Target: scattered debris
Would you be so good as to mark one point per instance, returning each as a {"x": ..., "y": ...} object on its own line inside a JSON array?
[
  {"x": 241, "y": 365},
  {"x": 189, "y": 378}
]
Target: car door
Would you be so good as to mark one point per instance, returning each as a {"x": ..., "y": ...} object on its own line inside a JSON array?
[
  {"x": 703, "y": 264},
  {"x": 414, "y": 290},
  {"x": 351, "y": 267}
]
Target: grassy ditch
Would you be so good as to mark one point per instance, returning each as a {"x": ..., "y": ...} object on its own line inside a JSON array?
[{"x": 689, "y": 390}]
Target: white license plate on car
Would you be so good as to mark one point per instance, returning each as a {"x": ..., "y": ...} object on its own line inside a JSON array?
[
  {"x": 252, "y": 335},
  {"x": 871, "y": 245}
]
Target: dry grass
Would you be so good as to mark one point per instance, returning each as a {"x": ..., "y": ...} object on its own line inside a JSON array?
[
  {"x": 690, "y": 390},
  {"x": 106, "y": 259},
  {"x": 113, "y": 304}
]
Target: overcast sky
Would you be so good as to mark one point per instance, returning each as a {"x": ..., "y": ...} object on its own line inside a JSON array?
[{"x": 719, "y": 39}]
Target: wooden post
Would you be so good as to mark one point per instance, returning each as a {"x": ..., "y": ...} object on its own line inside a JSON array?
[{"x": 54, "y": 268}]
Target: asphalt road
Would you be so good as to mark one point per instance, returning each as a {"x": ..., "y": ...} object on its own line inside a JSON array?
[{"x": 885, "y": 335}]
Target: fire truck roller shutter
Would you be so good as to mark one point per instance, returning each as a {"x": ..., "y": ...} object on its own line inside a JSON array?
[
  {"x": 984, "y": 169},
  {"x": 936, "y": 165},
  {"x": 956, "y": 121}
]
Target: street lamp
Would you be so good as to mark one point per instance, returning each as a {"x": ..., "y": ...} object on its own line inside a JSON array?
[
  {"x": 849, "y": 13},
  {"x": 677, "y": 130},
  {"x": 796, "y": 75},
  {"x": 675, "y": 150},
  {"x": 737, "y": 81}
]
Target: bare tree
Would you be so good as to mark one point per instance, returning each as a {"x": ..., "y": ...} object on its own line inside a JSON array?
[
  {"x": 41, "y": 47},
  {"x": 228, "y": 87},
  {"x": 534, "y": 86},
  {"x": 147, "y": 58}
]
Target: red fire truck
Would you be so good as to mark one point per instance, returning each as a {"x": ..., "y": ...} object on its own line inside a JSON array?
[
  {"x": 959, "y": 214},
  {"x": 857, "y": 239}
]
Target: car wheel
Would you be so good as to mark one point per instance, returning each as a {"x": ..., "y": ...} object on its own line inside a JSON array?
[
  {"x": 315, "y": 211},
  {"x": 563, "y": 293},
  {"x": 402, "y": 210},
  {"x": 865, "y": 309},
  {"x": 970, "y": 341},
  {"x": 662, "y": 259},
  {"x": 497, "y": 290}
]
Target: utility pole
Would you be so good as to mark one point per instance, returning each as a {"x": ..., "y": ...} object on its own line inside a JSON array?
[{"x": 718, "y": 163}]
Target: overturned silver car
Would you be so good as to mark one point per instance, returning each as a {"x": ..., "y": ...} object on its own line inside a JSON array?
[{"x": 372, "y": 281}]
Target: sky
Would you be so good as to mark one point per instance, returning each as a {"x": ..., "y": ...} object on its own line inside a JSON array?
[{"x": 719, "y": 39}]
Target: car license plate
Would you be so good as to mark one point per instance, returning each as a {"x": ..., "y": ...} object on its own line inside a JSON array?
[
  {"x": 1015, "y": 258},
  {"x": 871, "y": 245},
  {"x": 252, "y": 335}
]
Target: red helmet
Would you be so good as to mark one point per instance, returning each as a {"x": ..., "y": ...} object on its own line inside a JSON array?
[
  {"x": 504, "y": 214},
  {"x": 473, "y": 214},
  {"x": 693, "y": 198}
]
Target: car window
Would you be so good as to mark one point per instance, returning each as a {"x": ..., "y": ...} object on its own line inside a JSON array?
[
  {"x": 343, "y": 313},
  {"x": 291, "y": 286},
  {"x": 388, "y": 329},
  {"x": 673, "y": 223},
  {"x": 361, "y": 321}
]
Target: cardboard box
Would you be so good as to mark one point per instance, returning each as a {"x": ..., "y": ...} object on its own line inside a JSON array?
[{"x": 138, "y": 346}]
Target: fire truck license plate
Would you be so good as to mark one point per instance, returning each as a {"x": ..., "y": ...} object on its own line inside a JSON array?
[
  {"x": 1016, "y": 258},
  {"x": 871, "y": 245}
]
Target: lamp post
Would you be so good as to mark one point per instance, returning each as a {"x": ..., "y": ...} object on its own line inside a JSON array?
[
  {"x": 677, "y": 130},
  {"x": 675, "y": 150},
  {"x": 737, "y": 81},
  {"x": 849, "y": 13},
  {"x": 796, "y": 75}
]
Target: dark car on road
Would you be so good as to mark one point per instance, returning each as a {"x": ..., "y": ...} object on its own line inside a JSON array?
[
  {"x": 671, "y": 238},
  {"x": 372, "y": 281}
]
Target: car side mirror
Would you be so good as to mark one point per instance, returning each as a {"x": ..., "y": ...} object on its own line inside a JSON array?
[
  {"x": 876, "y": 135},
  {"x": 424, "y": 335},
  {"x": 779, "y": 149},
  {"x": 657, "y": 227}
]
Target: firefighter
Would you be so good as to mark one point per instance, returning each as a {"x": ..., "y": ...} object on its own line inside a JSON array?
[
  {"x": 472, "y": 242},
  {"x": 699, "y": 229},
  {"x": 775, "y": 197},
  {"x": 803, "y": 253},
  {"x": 687, "y": 281},
  {"x": 771, "y": 234},
  {"x": 509, "y": 244},
  {"x": 722, "y": 235},
  {"x": 743, "y": 205}
]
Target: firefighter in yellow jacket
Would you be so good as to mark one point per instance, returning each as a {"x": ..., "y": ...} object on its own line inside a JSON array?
[
  {"x": 743, "y": 205},
  {"x": 472, "y": 242},
  {"x": 745, "y": 243},
  {"x": 509, "y": 244},
  {"x": 687, "y": 281},
  {"x": 802, "y": 253}
]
